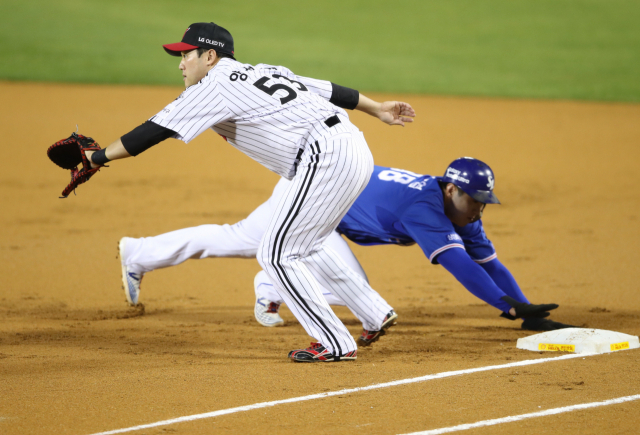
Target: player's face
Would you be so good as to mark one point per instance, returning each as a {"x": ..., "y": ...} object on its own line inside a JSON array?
[
  {"x": 460, "y": 208},
  {"x": 193, "y": 68}
]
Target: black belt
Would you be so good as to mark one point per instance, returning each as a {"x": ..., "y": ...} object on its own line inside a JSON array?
[{"x": 332, "y": 120}]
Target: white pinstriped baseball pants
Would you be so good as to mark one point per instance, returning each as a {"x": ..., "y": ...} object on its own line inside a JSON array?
[
  {"x": 240, "y": 240},
  {"x": 331, "y": 174}
]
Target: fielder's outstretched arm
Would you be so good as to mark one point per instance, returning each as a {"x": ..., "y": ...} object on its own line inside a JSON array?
[
  {"x": 389, "y": 112},
  {"x": 149, "y": 134},
  {"x": 114, "y": 151},
  {"x": 133, "y": 143}
]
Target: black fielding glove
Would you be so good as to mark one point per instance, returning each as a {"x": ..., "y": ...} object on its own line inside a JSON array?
[
  {"x": 524, "y": 310},
  {"x": 534, "y": 324},
  {"x": 71, "y": 152}
]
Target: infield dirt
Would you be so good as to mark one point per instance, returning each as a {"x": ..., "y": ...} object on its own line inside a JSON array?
[{"x": 74, "y": 359}]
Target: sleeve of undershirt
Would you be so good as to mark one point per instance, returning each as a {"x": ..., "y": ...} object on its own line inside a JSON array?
[
  {"x": 144, "y": 137},
  {"x": 473, "y": 277},
  {"x": 503, "y": 279}
]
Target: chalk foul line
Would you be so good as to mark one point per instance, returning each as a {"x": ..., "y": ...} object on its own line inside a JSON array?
[
  {"x": 340, "y": 393},
  {"x": 526, "y": 416}
]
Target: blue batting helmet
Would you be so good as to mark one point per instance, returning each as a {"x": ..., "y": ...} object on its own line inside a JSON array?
[{"x": 474, "y": 177}]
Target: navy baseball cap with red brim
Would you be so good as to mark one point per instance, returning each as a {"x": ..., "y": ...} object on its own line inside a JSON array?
[{"x": 203, "y": 35}]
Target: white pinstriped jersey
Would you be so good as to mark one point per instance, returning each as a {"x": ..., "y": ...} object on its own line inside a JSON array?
[{"x": 265, "y": 111}]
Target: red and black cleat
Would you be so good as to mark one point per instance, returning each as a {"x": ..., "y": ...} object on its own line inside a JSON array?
[
  {"x": 318, "y": 353},
  {"x": 273, "y": 308},
  {"x": 368, "y": 337}
]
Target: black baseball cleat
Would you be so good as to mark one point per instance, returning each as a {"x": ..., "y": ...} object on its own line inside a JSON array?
[
  {"x": 524, "y": 310},
  {"x": 368, "y": 337},
  {"x": 318, "y": 353},
  {"x": 534, "y": 324}
]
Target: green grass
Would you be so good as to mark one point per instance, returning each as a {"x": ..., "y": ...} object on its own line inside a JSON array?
[{"x": 568, "y": 49}]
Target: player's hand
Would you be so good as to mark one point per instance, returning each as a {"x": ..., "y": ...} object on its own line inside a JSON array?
[
  {"x": 536, "y": 324},
  {"x": 524, "y": 310},
  {"x": 88, "y": 154},
  {"x": 396, "y": 113},
  {"x": 389, "y": 112}
]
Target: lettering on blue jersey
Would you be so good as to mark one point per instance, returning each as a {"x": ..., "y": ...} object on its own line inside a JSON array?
[
  {"x": 404, "y": 171},
  {"x": 399, "y": 176},
  {"x": 418, "y": 184},
  {"x": 454, "y": 236}
]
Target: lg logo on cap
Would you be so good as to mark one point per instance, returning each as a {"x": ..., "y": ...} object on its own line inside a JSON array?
[
  {"x": 210, "y": 42},
  {"x": 490, "y": 183}
]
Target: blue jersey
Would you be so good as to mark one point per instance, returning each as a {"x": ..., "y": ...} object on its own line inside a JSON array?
[{"x": 401, "y": 207}]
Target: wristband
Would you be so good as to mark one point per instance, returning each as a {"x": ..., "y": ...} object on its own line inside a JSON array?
[
  {"x": 343, "y": 97},
  {"x": 100, "y": 157}
]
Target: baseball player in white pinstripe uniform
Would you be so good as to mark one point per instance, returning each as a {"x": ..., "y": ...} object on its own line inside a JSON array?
[{"x": 295, "y": 127}]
